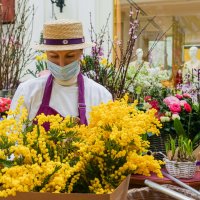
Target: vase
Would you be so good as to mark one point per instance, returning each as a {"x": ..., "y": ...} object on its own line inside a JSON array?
[{"x": 7, "y": 93}]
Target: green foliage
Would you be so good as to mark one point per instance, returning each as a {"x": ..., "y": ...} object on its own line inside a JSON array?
[
  {"x": 40, "y": 65},
  {"x": 179, "y": 149},
  {"x": 6, "y": 163},
  {"x": 179, "y": 128},
  {"x": 99, "y": 70},
  {"x": 46, "y": 180},
  {"x": 196, "y": 139}
]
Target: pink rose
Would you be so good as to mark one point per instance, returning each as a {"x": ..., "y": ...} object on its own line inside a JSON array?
[
  {"x": 170, "y": 100},
  {"x": 186, "y": 95},
  {"x": 179, "y": 96},
  {"x": 187, "y": 107},
  {"x": 175, "y": 108}
]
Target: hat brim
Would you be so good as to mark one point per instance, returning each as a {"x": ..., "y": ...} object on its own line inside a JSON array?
[{"x": 43, "y": 47}]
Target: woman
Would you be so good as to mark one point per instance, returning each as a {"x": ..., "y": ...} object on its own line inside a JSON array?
[{"x": 65, "y": 91}]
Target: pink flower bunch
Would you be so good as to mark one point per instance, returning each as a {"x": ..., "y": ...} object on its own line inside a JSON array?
[
  {"x": 171, "y": 107},
  {"x": 177, "y": 107},
  {"x": 177, "y": 103},
  {"x": 4, "y": 104}
]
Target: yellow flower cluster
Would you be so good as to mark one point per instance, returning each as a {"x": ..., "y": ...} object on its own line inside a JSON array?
[
  {"x": 41, "y": 57},
  {"x": 72, "y": 158},
  {"x": 104, "y": 62}
]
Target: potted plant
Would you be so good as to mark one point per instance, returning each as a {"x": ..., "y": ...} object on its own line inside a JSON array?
[
  {"x": 180, "y": 161},
  {"x": 170, "y": 110}
]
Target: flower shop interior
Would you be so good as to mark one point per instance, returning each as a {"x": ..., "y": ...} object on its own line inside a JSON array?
[{"x": 99, "y": 99}]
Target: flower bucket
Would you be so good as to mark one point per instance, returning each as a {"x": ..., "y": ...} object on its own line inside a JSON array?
[
  {"x": 180, "y": 169},
  {"x": 157, "y": 144},
  {"x": 7, "y": 93},
  {"x": 120, "y": 193}
]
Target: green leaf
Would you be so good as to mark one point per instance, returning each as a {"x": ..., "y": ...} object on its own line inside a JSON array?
[
  {"x": 46, "y": 179},
  {"x": 31, "y": 72},
  {"x": 6, "y": 163},
  {"x": 179, "y": 127},
  {"x": 196, "y": 139},
  {"x": 138, "y": 89}
]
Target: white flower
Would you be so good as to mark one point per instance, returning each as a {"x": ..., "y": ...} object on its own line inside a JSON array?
[
  {"x": 168, "y": 114},
  {"x": 175, "y": 116},
  {"x": 167, "y": 119},
  {"x": 147, "y": 106},
  {"x": 164, "y": 119}
]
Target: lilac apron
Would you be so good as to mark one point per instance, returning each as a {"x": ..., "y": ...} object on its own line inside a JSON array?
[{"x": 47, "y": 110}]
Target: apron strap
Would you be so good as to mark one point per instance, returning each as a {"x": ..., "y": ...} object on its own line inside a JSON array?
[
  {"x": 47, "y": 91},
  {"x": 81, "y": 100},
  {"x": 81, "y": 96}
]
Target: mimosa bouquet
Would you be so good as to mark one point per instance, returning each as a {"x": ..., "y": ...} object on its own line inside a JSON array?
[{"x": 69, "y": 158}]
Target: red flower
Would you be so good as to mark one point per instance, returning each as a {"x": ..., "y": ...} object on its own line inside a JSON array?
[
  {"x": 187, "y": 107},
  {"x": 179, "y": 96},
  {"x": 175, "y": 108},
  {"x": 154, "y": 104},
  {"x": 159, "y": 115},
  {"x": 4, "y": 104},
  {"x": 147, "y": 98}
]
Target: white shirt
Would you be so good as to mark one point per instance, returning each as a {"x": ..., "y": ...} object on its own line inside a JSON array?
[{"x": 64, "y": 99}]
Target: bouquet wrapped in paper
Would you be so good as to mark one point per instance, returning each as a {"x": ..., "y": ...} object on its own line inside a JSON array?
[{"x": 69, "y": 158}]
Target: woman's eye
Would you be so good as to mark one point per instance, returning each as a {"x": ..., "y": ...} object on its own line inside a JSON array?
[
  {"x": 54, "y": 56},
  {"x": 70, "y": 56}
]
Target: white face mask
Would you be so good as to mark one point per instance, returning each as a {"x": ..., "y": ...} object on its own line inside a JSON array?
[{"x": 64, "y": 73}]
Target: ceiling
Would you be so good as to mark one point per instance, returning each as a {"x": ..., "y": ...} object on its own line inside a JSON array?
[
  {"x": 166, "y": 7},
  {"x": 187, "y": 12}
]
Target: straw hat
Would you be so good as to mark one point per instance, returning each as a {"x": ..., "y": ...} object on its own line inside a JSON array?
[{"x": 63, "y": 35}]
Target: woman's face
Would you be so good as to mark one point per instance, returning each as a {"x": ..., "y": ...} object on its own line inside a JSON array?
[{"x": 63, "y": 58}]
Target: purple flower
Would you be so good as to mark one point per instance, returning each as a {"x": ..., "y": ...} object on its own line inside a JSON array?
[{"x": 98, "y": 51}]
